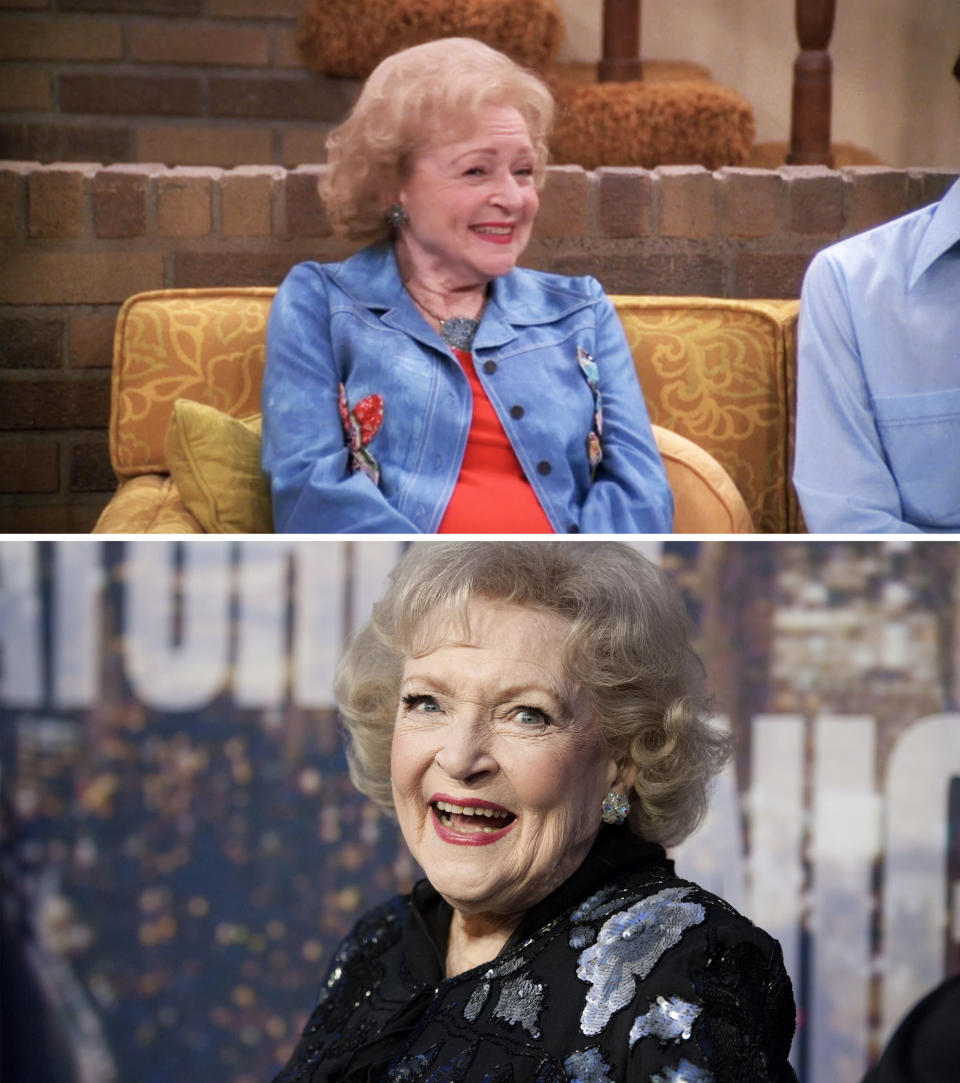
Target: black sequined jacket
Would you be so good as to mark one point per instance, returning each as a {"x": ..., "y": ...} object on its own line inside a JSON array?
[{"x": 624, "y": 973}]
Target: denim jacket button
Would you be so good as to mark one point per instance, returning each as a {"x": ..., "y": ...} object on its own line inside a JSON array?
[
  {"x": 489, "y": 367},
  {"x": 517, "y": 412},
  {"x": 543, "y": 467},
  {"x": 573, "y": 529}
]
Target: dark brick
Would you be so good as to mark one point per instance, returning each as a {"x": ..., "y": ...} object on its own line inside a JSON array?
[
  {"x": 120, "y": 204},
  {"x": 173, "y": 95},
  {"x": 563, "y": 203},
  {"x": 688, "y": 201},
  {"x": 205, "y": 42},
  {"x": 929, "y": 186},
  {"x": 750, "y": 200},
  {"x": 65, "y": 143},
  {"x": 678, "y": 274},
  {"x": 633, "y": 268},
  {"x": 290, "y": 98},
  {"x": 876, "y": 195},
  {"x": 29, "y": 467},
  {"x": 815, "y": 199},
  {"x": 256, "y": 9},
  {"x": 91, "y": 338},
  {"x": 12, "y": 198},
  {"x": 55, "y": 404},
  {"x": 306, "y": 215},
  {"x": 90, "y": 470},
  {"x": 775, "y": 275},
  {"x": 197, "y": 269},
  {"x": 31, "y": 344},
  {"x": 50, "y": 518},
  {"x": 136, "y": 7},
  {"x": 56, "y": 201},
  {"x": 625, "y": 200}
]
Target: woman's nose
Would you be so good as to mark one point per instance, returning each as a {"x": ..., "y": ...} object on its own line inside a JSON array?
[
  {"x": 464, "y": 751},
  {"x": 508, "y": 193}
]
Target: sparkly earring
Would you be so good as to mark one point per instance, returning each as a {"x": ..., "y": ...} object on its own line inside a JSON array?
[
  {"x": 396, "y": 216},
  {"x": 614, "y": 808}
]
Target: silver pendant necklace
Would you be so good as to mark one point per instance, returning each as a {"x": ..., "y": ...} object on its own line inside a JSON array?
[{"x": 456, "y": 331}]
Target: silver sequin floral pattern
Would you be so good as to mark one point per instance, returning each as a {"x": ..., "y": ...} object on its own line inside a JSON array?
[
  {"x": 588, "y": 1066},
  {"x": 669, "y": 1019},
  {"x": 685, "y": 1072},
  {"x": 628, "y": 947},
  {"x": 520, "y": 1002}
]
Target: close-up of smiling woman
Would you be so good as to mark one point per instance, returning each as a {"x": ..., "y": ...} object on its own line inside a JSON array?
[
  {"x": 532, "y": 714},
  {"x": 427, "y": 384}
]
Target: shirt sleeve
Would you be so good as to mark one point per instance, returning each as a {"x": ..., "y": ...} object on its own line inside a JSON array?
[
  {"x": 841, "y": 474},
  {"x": 630, "y": 493},
  {"x": 305, "y": 454}
]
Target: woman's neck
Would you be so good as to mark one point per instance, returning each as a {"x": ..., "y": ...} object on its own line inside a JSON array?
[
  {"x": 475, "y": 939},
  {"x": 438, "y": 290}
]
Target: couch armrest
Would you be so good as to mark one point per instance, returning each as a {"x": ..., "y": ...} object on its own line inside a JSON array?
[
  {"x": 706, "y": 500},
  {"x": 148, "y": 504}
]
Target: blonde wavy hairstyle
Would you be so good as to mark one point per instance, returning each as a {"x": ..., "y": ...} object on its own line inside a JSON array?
[
  {"x": 628, "y": 648},
  {"x": 408, "y": 99}
]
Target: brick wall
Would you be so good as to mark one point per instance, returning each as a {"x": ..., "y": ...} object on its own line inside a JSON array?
[
  {"x": 77, "y": 239},
  {"x": 186, "y": 82}
]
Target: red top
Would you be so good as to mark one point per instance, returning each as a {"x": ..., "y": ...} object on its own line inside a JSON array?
[{"x": 492, "y": 494}]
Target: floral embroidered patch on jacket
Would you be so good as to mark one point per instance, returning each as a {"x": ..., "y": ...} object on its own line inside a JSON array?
[
  {"x": 361, "y": 423},
  {"x": 592, "y": 373}
]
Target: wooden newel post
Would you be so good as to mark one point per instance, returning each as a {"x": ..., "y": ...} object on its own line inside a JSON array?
[
  {"x": 621, "y": 42},
  {"x": 812, "y": 85}
]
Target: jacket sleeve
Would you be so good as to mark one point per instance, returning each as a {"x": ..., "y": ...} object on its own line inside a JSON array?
[
  {"x": 630, "y": 493},
  {"x": 305, "y": 455},
  {"x": 738, "y": 1023},
  {"x": 841, "y": 474}
]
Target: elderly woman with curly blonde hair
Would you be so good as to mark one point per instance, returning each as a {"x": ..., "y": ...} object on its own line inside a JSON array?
[
  {"x": 531, "y": 713},
  {"x": 427, "y": 384}
]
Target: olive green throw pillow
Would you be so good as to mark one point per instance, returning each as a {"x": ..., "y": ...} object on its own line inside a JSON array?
[{"x": 214, "y": 460}]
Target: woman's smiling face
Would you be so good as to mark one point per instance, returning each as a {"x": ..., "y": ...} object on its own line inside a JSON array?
[
  {"x": 498, "y": 769},
  {"x": 471, "y": 201}
]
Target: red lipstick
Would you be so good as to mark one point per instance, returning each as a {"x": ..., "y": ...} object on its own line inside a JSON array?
[
  {"x": 495, "y": 238},
  {"x": 468, "y": 829}
]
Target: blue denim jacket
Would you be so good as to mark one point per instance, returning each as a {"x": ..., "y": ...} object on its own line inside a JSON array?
[{"x": 367, "y": 412}]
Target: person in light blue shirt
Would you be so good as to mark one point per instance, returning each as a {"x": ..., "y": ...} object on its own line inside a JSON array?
[{"x": 878, "y": 382}]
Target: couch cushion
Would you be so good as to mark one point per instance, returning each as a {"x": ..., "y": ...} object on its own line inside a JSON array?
[
  {"x": 215, "y": 462},
  {"x": 149, "y": 504}
]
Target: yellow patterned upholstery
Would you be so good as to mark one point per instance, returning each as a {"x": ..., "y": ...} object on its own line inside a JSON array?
[
  {"x": 720, "y": 372},
  {"x": 717, "y": 372},
  {"x": 205, "y": 345}
]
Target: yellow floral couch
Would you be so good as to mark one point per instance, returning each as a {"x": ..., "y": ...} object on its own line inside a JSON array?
[{"x": 717, "y": 375}]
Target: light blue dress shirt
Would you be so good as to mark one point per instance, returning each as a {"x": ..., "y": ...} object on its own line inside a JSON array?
[
  {"x": 878, "y": 382},
  {"x": 352, "y": 325}
]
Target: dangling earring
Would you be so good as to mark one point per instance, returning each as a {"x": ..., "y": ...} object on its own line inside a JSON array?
[
  {"x": 614, "y": 808},
  {"x": 396, "y": 216}
]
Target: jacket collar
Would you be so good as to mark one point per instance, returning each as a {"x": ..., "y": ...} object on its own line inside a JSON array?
[
  {"x": 616, "y": 852},
  {"x": 518, "y": 299},
  {"x": 941, "y": 234}
]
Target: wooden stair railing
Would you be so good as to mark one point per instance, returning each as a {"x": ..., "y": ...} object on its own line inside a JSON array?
[
  {"x": 812, "y": 70},
  {"x": 812, "y": 85}
]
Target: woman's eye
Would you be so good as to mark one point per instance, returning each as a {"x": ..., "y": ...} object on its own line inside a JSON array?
[
  {"x": 475, "y": 171},
  {"x": 417, "y": 701},
  {"x": 531, "y": 716},
  {"x": 526, "y": 171}
]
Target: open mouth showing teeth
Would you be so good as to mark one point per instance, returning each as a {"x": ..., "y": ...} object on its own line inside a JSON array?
[
  {"x": 499, "y": 231},
  {"x": 472, "y": 817}
]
